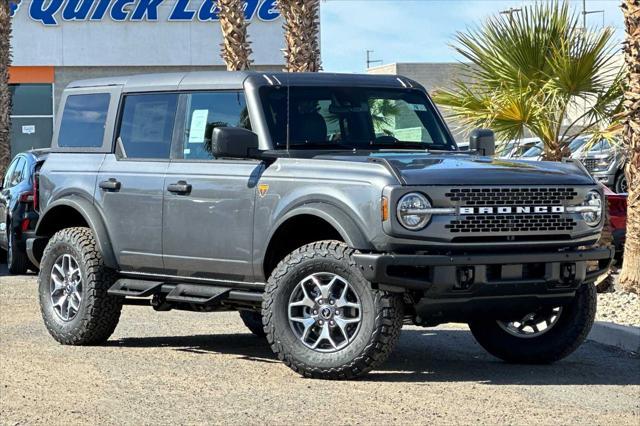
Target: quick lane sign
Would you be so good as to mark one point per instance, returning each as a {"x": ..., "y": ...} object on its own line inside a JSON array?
[{"x": 51, "y": 12}]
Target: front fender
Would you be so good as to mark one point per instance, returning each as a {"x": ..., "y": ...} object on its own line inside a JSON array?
[
  {"x": 351, "y": 233},
  {"x": 92, "y": 217}
]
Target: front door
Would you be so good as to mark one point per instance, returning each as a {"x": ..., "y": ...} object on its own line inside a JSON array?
[
  {"x": 209, "y": 202},
  {"x": 130, "y": 185}
]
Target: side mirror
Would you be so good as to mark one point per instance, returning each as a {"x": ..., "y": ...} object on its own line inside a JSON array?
[
  {"x": 233, "y": 142},
  {"x": 483, "y": 141}
]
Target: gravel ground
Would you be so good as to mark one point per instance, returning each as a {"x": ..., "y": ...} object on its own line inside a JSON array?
[
  {"x": 189, "y": 368},
  {"x": 619, "y": 306}
]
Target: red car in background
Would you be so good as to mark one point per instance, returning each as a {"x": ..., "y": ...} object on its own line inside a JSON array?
[{"x": 618, "y": 219}]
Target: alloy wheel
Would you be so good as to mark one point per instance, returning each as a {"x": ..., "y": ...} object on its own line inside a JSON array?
[
  {"x": 534, "y": 324},
  {"x": 324, "y": 312},
  {"x": 66, "y": 287}
]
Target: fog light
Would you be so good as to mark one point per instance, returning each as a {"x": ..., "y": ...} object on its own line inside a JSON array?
[
  {"x": 465, "y": 277},
  {"x": 568, "y": 272}
]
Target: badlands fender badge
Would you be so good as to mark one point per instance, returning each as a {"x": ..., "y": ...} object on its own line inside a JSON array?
[{"x": 263, "y": 188}]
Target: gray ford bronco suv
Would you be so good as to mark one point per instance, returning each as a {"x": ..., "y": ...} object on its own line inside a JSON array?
[{"x": 327, "y": 209}]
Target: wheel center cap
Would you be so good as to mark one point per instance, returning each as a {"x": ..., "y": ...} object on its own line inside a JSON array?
[{"x": 326, "y": 312}]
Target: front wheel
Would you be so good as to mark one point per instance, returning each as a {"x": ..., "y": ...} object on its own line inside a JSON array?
[
  {"x": 322, "y": 317},
  {"x": 544, "y": 336},
  {"x": 620, "y": 185}
]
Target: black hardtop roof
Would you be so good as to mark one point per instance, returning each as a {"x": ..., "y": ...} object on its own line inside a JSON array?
[{"x": 203, "y": 80}]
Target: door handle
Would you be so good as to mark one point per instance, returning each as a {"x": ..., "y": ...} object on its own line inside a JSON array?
[
  {"x": 110, "y": 185},
  {"x": 180, "y": 187}
]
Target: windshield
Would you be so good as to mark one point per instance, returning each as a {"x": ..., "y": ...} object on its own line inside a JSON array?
[
  {"x": 534, "y": 151},
  {"x": 352, "y": 118},
  {"x": 577, "y": 144}
]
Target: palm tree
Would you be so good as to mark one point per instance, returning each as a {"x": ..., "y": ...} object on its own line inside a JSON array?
[
  {"x": 531, "y": 72},
  {"x": 630, "y": 275},
  {"x": 236, "y": 48},
  {"x": 5, "y": 94},
  {"x": 301, "y": 28}
]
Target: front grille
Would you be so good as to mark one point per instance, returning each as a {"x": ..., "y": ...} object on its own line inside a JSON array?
[
  {"x": 511, "y": 196},
  {"x": 511, "y": 223},
  {"x": 484, "y": 225},
  {"x": 589, "y": 164}
]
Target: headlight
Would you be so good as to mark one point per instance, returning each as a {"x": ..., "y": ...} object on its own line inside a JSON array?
[
  {"x": 411, "y": 212},
  {"x": 592, "y": 215},
  {"x": 603, "y": 163}
]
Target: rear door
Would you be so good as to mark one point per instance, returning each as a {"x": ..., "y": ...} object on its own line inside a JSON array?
[
  {"x": 131, "y": 181},
  {"x": 209, "y": 202}
]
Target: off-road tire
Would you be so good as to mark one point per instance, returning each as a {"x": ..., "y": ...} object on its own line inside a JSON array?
[
  {"x": 379, "y": 331},
  {"x": 17, "y": 260},
  {"x": 99, "y": 313},
  {"x": 621, "y": 184},
  {"x": 566, "y": 336},
  {"x": 253, "y": 321}
]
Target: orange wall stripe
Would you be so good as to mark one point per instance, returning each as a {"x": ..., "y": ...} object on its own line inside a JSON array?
[{"x": 31, "y": 75}]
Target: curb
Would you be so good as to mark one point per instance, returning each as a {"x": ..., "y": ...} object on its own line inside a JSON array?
[{"x": 621, "y": 336}]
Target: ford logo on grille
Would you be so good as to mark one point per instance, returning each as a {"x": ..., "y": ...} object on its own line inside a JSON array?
[{"x": 511, "y": 210}]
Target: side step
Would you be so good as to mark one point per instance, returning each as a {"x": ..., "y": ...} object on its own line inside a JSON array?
[
  {"x": 126, "y": 287},
  {"x": 197, "y": 294}
]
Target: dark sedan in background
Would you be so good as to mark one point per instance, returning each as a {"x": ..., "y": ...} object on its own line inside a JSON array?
[{"x": 19, "y": 208}]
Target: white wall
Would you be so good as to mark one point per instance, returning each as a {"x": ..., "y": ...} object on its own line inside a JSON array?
[{"x": 142, "y": 43}]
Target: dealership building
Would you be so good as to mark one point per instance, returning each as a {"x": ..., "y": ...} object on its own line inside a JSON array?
[{"x": 58, "y": 41}]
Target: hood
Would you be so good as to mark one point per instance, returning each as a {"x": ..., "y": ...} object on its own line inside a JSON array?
[{"x": 423, "y": 168}]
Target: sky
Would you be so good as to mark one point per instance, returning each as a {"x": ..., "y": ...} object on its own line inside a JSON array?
[{"x": 418, "y": 30}]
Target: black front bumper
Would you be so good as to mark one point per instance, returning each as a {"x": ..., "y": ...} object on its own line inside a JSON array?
[{"x": 457, "y": 287}]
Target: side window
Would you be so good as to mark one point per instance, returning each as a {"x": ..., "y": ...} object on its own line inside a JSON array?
[
  {"x": 83, "y": 121},
  {"x": 146, "y": 125},
  {"x": 9, "y": 175},
  {"x": 16, "y": 176},
  {"x": 204, "y": 112}
]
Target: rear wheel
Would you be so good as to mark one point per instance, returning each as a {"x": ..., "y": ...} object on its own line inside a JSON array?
[
  {"x": 544, "y": 336},
  {"x": 322, "y": 317},
  {"x": 73, "y": 283},
  {"x": 253, "y": 321},
  {"x": 17, "y": 260}
]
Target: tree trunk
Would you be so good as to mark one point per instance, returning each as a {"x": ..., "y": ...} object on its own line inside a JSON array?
[
  {"x": 630, "y": 275},
  {"x": 5, "y": 94},
  {"x": 301, "y": 31},
  {"x": 236, "y": 48}
]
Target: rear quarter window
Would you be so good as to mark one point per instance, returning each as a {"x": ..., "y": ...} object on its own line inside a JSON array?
[{"x": 83, "y": 121}]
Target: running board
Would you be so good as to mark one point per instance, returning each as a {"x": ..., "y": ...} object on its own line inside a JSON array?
[
  {"x": 197, "y": 294},
  {"x": 126, "y": 287},
  {"x": 205, "y": 295}
]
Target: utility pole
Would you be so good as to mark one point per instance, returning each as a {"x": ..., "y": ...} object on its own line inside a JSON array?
[
  {"x": 372, "y": 61},
  {"x": 586, "y": 12},
  {"x": 511, "y": 11}
]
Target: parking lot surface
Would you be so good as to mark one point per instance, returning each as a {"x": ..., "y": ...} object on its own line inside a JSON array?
[{"x": 188, "y": 368}]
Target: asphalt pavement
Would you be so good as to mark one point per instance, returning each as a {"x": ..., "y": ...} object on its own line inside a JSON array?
[{"x": 190, "y": 368}]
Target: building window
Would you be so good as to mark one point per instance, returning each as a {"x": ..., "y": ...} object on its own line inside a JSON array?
[{"x": 31, "y": 116}]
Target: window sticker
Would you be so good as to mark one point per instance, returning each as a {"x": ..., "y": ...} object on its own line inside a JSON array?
[
  {"x": 418, "y": 107},
  {"x": 198, "y": 125}
]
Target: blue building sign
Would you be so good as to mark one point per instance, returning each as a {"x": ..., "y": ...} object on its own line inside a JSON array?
[{"x": 51, "y": 12}]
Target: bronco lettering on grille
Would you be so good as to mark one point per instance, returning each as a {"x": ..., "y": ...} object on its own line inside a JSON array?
[{"x": 511, "y": 210}]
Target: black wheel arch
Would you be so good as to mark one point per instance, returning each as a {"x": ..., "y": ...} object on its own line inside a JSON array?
[
  {"x": 337, "y": 223},
  {"x": 74, "y": 211}
]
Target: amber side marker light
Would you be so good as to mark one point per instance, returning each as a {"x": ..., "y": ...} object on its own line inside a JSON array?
[{"x": 385, "y": 209}]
